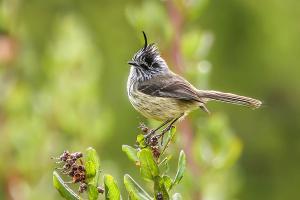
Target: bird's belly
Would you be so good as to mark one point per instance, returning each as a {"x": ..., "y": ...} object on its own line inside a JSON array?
[{"x": 160, "y": 108}]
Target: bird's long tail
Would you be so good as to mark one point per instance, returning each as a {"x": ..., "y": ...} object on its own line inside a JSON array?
[{"x": 209, "y": 95}]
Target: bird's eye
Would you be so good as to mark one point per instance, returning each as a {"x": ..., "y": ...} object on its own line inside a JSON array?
[
  {"x": 155, "y": 65},
  {"x": 148, "y": 59},
  {"x": 144, "y": 66}
]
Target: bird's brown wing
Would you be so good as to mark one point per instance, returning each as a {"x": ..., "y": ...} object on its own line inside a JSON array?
[{"x": 169, "y": 86}]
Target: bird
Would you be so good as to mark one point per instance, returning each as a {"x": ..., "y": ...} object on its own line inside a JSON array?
[{"x": 160, "y": 94}]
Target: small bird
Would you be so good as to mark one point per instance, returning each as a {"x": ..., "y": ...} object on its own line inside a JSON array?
[{"x": 158, "y": 93}]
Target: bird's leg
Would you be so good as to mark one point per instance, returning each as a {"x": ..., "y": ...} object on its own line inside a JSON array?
[
  {"x": 161, "y": 135},
  {"x": 151, "y": 132}
]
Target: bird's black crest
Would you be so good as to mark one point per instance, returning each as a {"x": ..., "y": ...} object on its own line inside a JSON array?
[
  {"x": 146, "y": 54},
  {"x": 145, "y": 38}
]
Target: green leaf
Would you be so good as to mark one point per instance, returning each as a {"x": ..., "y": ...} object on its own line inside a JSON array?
[
  {"x": 149, "y": 169},
  {"x": 160, "y": 189},
  {"x": 170, "y": 136},
  {"x": 92, "y": 192},
  {"x": 167, "y": 182},
  {"x": 112, "y": 191},
  {"x": 164, "y": 164},
  {"x": 172, "y": 133},
  {"x": 92, "y": 167},
  {"x": 64, "y": 190},
  {"x": 177, "y": 196},
  {"x": 135, "y": 191},
  {"x": 140, "y": 139},
  {"x": 130, "y": 152},
  {"x": 180, "y": 169}
]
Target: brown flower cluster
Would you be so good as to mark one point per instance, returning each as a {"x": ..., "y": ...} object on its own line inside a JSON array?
[
  {"x": 152, "y": 141},
  {"x": 73, "y": 167}
]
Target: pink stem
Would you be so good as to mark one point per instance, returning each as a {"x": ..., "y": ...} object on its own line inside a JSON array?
[{"x": 177, "y": 21}]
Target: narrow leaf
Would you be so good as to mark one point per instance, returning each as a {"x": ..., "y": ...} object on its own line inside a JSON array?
[
  {"x": 64, "y": 190},
  {"x": 140, "y": 139},
  {"x": 170, "y": 135},
  {"x": 164, "y": 164},
  {"x": 92, "y": 167},
  {"x": 160, "y": 190},
  {"x": 149, "y": 169},
  {"x": 112, "y": 191},
  {"x": 180, "y": 169},
  {"x": 135, "y": 191},
  {"x": 92, "y": 192},
  {"x": 177, "y": 196},
  {"x": 167, "y": 182},
  {"x": 130, "y": 152}
]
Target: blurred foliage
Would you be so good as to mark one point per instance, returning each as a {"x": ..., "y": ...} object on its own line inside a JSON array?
[{"x": 63, "y": 73}]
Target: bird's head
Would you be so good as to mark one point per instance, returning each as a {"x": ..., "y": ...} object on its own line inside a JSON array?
[{"x": 147, "y": 61}]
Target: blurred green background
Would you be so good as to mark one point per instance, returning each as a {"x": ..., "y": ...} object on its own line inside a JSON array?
[{"x": 63, "y": 72}]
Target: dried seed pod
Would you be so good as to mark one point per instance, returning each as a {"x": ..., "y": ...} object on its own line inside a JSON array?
[
  {"x": 100, "y": 190},
  {"x": 144, "y": 128},
  {"x": 66, "y": 166},
  {"x": 159, "y": 196},
  {"x": 76, "y": 178},
  {"x": 81, "y": 168},
  {"x": 77, "y": 155},
  {"x": 64, "y": 156},
  {"x": 155, "y": 151},
  {"x": 70, "y": 161},
  {"x": 71, "y": 173},
  {"x": 82, "y": 187},
  {"x": 73, "y": 167},
  {"x": 153, "y": 141},
  {"x": 83, "y": 176}
]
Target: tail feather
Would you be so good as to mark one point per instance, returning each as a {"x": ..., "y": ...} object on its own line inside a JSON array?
[{"x": 230, "y": 98}]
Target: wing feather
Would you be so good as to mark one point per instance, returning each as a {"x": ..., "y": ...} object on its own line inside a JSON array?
[{"x": 169, "y": 86}]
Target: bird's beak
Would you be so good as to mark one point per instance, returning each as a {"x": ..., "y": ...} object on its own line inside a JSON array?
[{"x": 132, "y": 63}]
